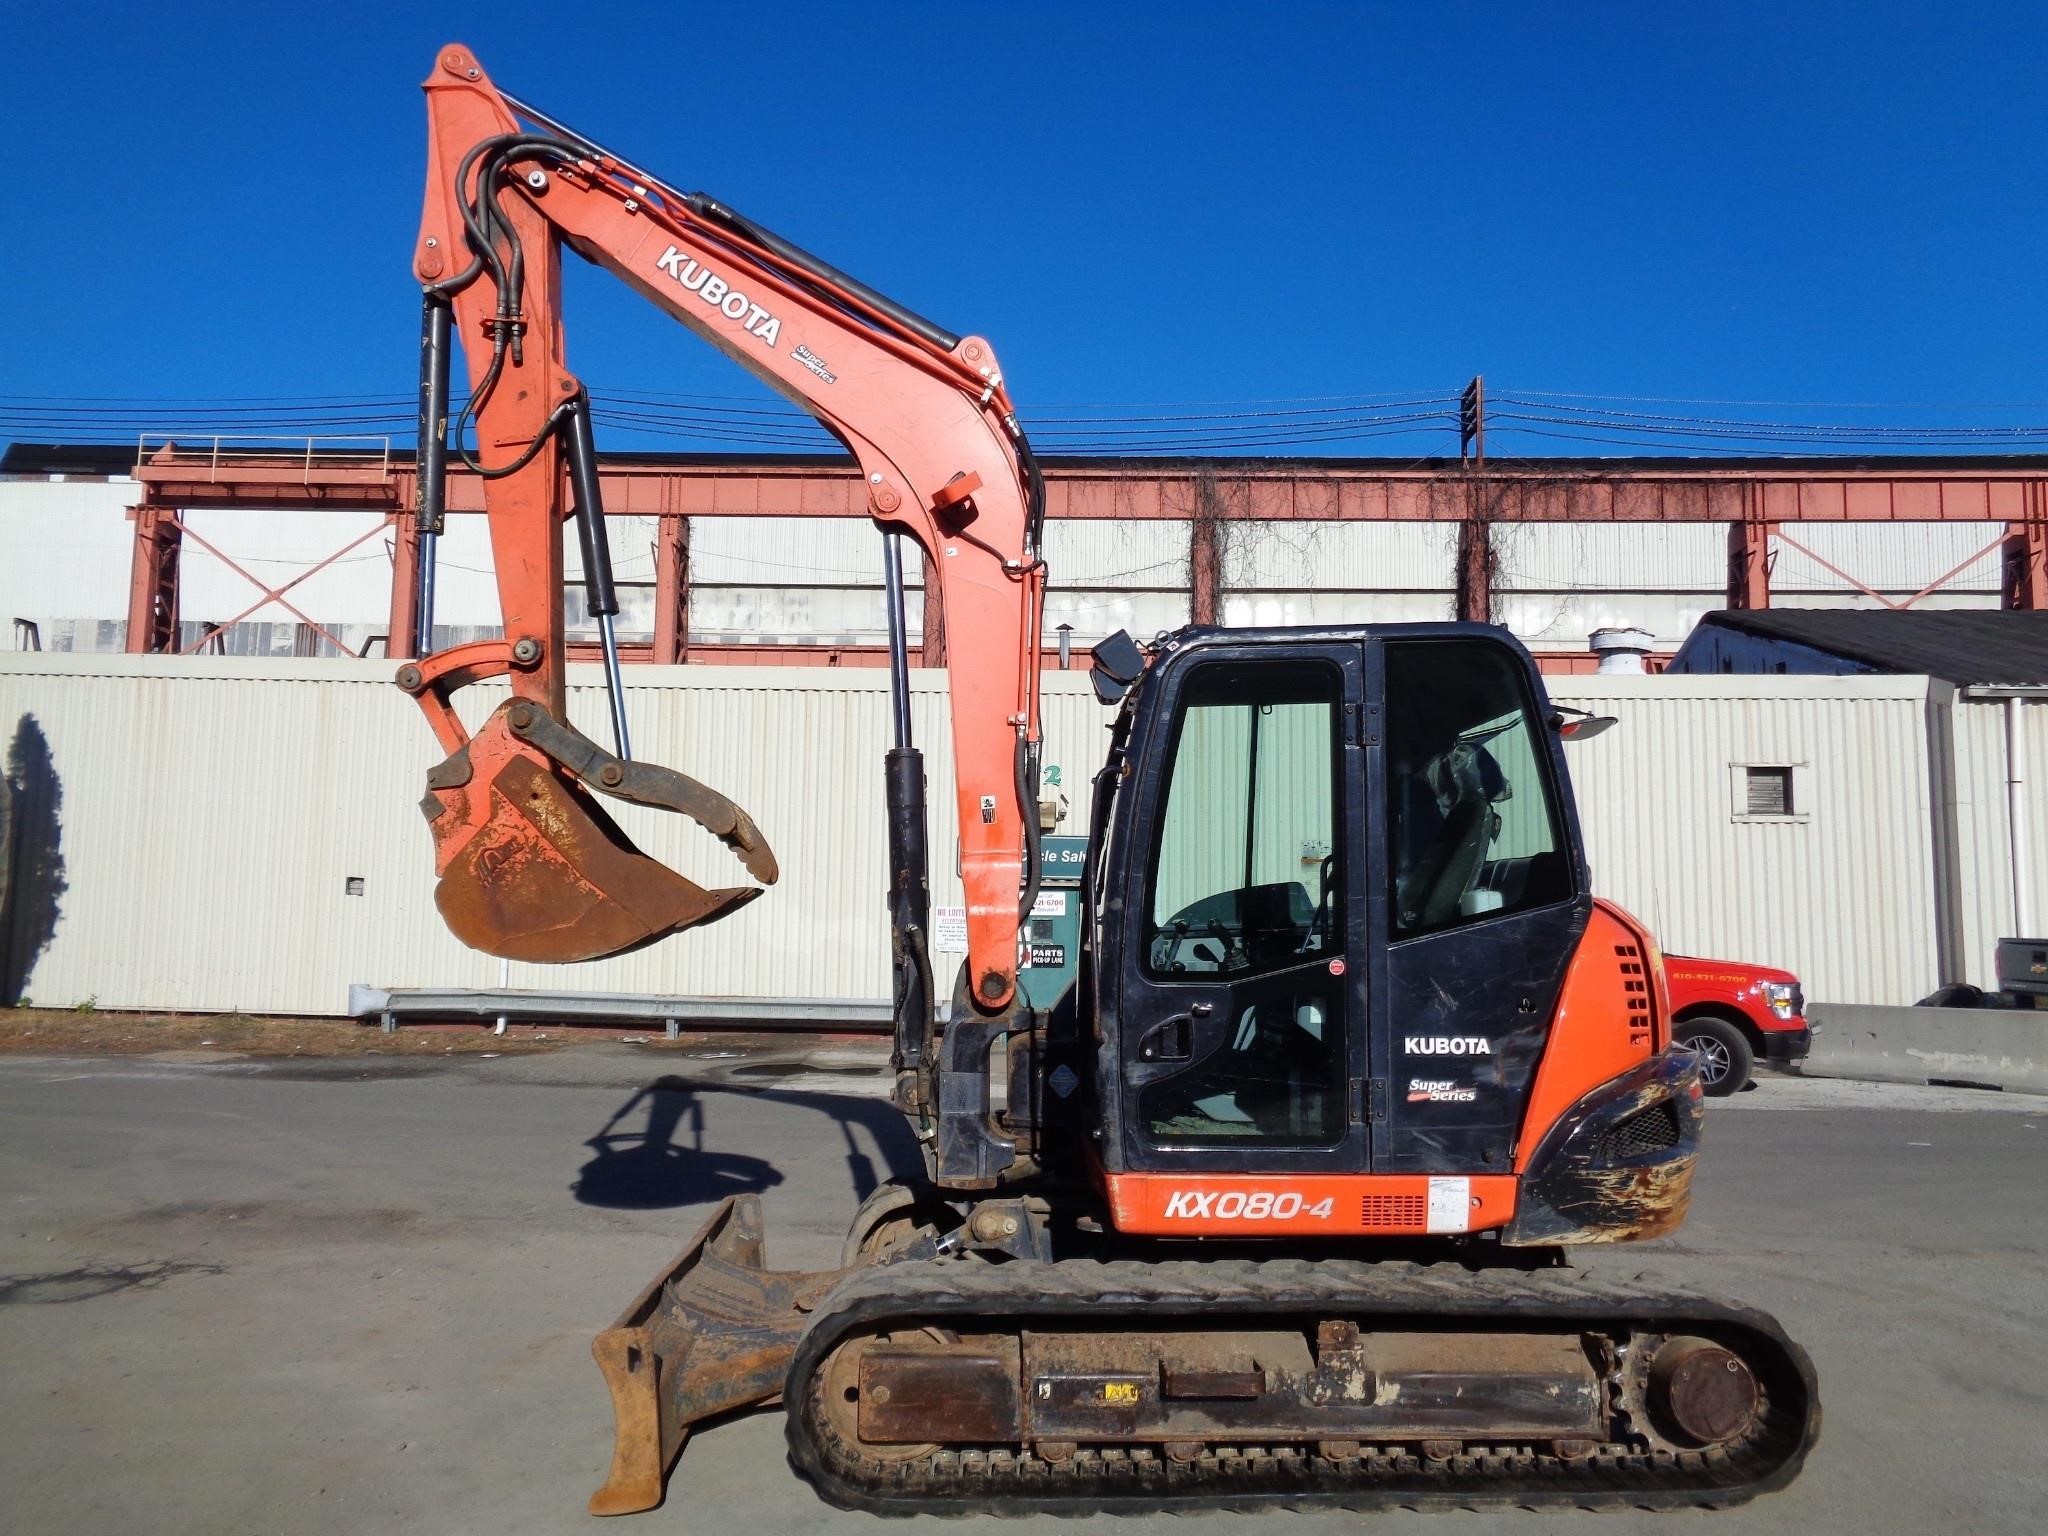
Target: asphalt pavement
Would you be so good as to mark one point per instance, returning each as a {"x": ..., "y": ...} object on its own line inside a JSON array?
[{"x": 357, "y": 1295}]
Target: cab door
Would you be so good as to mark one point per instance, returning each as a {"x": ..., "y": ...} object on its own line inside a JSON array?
[
  {"x": 1485, "y": 895},
  {"x": 1241, "y": 1020}
]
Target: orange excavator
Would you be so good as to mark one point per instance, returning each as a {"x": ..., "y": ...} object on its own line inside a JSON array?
[{"x": 1272, "y": 1206}]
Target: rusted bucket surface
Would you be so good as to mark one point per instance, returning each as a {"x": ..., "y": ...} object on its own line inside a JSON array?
[{"x": 533, "y": 869}]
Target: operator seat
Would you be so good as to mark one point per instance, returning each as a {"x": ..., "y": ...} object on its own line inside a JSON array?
[{"x": 1465, "y": 781}]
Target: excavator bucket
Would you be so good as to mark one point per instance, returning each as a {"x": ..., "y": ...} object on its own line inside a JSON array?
[
  {"x": 533, "y": 869},
  {"x": 712, "y": 1333},
  {"x": 550, "y": 877}
]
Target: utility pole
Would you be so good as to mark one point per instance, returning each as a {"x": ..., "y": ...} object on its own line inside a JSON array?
[
  {"x": 1475, "y": 534},
  {"x": 1472, "y": 423}
]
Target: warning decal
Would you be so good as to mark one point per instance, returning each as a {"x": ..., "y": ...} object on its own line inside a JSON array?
[{"x": 1450, "y": 1205}]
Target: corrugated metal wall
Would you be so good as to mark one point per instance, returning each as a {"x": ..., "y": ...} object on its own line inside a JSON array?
[
  {"x": 798, "y": 578},
  {"x": 1896, "y": 559},
  {"x": 1558, "y": 582},
  {"x": 65, "y": 547},
  {"x": 1841, "y": 892},
  {"x": 1984, "y": 828},
  {"x": 210, "y": 813},
  {"x": 1340, "y": 556},
  {"x": 1116, "y": 575},
  {"x": 1325, "y": 572}
]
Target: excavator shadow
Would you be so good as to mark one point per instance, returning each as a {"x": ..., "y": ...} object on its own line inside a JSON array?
[{"x": 663, "y": 1164}]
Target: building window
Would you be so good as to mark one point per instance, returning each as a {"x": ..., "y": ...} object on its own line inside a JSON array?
[{"x": 1769, "y": 792}]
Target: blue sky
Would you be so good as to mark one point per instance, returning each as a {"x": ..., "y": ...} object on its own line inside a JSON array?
[{"x": 1140, "y": 205}]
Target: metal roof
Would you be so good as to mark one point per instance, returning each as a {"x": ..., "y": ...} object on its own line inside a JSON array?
[{"x": 1959, "y": 646}]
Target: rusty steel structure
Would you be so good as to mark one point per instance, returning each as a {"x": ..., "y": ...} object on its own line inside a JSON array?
[{"x": 1752, "y": 498}]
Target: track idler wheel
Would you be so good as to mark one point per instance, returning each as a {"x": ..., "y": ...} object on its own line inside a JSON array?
[
  {"x": 1700, "y": 1393},
  {"x": 843, "y": 1394}
]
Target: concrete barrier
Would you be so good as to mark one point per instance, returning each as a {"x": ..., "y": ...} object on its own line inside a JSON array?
[{"x": 1992, "y": 1047}]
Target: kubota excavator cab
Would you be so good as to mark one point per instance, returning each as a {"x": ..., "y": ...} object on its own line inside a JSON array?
[{"x": 1337, "y": 903}]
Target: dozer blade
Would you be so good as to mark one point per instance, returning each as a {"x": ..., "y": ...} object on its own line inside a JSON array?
[
  {"x": 533, "y": 869},
  {"x": 712, "y": 1333}
]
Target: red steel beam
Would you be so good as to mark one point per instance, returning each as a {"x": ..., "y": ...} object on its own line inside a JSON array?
[
  {"x": 1750, "y": 498},
  {"x": 739, "y": 653},
  {"x": 1208, "y": 510},
  {"x": 1749, "y": 564},
  {"x": 1635, "y": 492},
  {"x": 1294, "y": 494},
  {"x": 1205, "y": 572},
  {"x": 2024, "y": 571},
  {"x": 671, "y": 590},
  {"x": 399, "y": 640},
  {"x": 1477, "y": 562},
  {"x": 153, "y": 580}
]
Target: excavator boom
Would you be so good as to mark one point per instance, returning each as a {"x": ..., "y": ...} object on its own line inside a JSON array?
[{"x": 530, "y": 866}]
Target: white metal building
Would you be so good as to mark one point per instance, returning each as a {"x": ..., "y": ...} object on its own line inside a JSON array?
[
  {"x": 226, "y": 833},
  {"x": 65, "y": 558}
]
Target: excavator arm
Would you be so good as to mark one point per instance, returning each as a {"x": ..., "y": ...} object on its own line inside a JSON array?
[{"x": 530, "y": 866}]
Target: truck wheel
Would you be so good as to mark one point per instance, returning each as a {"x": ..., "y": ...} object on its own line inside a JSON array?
[{"x": 1725, "y": 1056}]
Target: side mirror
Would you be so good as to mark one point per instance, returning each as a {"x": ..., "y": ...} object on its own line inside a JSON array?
[
  {"x": 1578, "y": 724},
  {"x": 1118, "y": 664}
]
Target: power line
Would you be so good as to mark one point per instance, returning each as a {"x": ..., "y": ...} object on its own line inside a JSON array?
[
  {"x": 1590, "y": 416},
  {"x": 1324, "y": 423},
  {"x": 1625, "y": 442},
  {"x": 1808, "y": 405}
]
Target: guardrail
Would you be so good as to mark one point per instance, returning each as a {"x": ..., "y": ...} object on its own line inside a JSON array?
[
  {"x": 1976, "y": 1047},
  {"x": 240, "y": 453},
  {"x": 390, "y": 1006}
]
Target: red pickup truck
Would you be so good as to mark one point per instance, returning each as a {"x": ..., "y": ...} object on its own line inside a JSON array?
[{"x": 1732, "y": 1014}]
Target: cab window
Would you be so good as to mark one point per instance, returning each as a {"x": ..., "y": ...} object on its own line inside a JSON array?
[
  {"x": 1244, "y": 873},
  {"x": 1247, "y": 893},
  {"x": 1473, "y": 827}
]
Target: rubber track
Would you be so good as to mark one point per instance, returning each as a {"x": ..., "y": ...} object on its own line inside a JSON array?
[{"x": 978, "y": 1297}]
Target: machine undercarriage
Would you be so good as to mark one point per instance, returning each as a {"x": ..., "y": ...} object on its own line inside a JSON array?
[{"x": 935, "y": 1372}]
